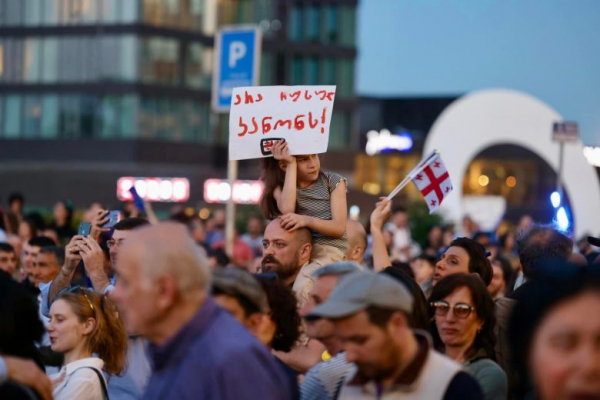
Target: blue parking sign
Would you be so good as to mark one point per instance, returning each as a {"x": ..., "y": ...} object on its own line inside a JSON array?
[{"x": 237, "y": 63}]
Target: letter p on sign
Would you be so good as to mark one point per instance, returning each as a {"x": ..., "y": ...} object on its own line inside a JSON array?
[{"x": 237, "y": 51}]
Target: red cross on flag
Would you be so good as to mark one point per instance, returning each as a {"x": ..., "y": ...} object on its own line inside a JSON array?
[{"x": 433, "y": 181}]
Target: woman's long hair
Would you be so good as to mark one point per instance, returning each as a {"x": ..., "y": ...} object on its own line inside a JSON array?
[
  {"x": 108, "y": 339},
  {"x": 484, "y": 308},
  {"x": 272, "y": 176}
]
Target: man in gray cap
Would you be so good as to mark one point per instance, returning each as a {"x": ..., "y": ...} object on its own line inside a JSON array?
[
  {"x": 370, "y": 313},
  {"x": 241, "y": 295}
]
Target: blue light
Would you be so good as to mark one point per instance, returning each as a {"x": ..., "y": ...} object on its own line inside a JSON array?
[
  {"x": 555, "y": 199},
  {"x": 562, "y": 220}
]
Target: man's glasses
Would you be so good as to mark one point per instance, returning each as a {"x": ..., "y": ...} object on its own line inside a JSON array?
[
  {"x": 461, "y": 310},
  {"x": 112, "y": 243}
]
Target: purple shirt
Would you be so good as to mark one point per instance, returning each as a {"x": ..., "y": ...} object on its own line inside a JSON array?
[{"x": 214, "y": 357}]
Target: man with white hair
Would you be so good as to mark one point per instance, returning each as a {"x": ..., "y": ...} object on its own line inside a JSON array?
[{"x": 198, "y": 350}]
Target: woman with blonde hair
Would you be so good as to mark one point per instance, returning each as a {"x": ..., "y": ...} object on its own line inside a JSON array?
[{"x": 86, "y": 328}]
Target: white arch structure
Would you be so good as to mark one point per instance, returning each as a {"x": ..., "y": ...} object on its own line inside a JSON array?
[{"x": 486, "y": 118}]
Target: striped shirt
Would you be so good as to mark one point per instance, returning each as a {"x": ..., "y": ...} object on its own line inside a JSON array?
[
  {"x": 315, "y": 201},
  {"x": 324, "y": 379}
]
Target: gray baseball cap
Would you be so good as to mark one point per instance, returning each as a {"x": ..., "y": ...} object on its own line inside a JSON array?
[
  {"x": 237, "y": 282},
  {"x": 358, "y": 290}
]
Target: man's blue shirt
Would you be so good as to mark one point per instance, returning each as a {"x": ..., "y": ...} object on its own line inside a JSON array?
[{"x": 214, "y": 357}]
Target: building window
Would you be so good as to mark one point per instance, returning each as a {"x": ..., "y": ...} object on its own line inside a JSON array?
[
  {"x": 268, "y": 69},
  {"x": 296, "y": 21},
  {"x": 32, "y": 117},
  {"x": 311, "y": 71},
  {"x": 128, "y": 117},
  {"x": 159, "y": 61},
  {"x": 313, "y": 23},
  {"x": 49, "y": 116},
  {"x": 198, "y": 66},
  {"x": 345, "y": 78},
  {"x": 331, "y": 31},
  {"x": 347, "y": 25},
  {"x": 12, "y": 116},
  {"x": 33, "y": 12},
  {"x": 339, "y": 131},
  {"x": 33, "y": 59},
  {"x": 50, "y": 60}
]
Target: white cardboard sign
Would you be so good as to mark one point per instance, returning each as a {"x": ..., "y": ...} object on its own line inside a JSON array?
[{"x": 262, "y": 114}]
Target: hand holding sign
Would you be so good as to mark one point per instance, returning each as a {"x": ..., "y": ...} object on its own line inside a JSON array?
[
  {"x": 262, "y": 116},
  {"x": 281, "y": 152}
]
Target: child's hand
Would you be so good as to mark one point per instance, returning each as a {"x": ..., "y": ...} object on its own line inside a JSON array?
[
  {"x": 291, "y": 221},
  {"x": 281, "y": 152}
]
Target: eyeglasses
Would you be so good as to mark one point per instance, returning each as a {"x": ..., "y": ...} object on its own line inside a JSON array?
[
  {"x": 74, "y": 289},
  {"x": 460, "y": 310},
  {"x": 112, "y": 243}
]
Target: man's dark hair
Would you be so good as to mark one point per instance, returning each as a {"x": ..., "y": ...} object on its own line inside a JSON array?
[
  {"x": 41, "y": 242},
  {"x": 247, "y": 305},
  {"x": 57, "y": 251},
  {"x": 399, "y": 209},
  {"x": 380, "y": 316},
  {"x": 16, "y": 196},
  {"x": 542, "y": 244},
  {"x": 419, "y": 317},
  {"x": 478, "y": 261},
  {"x": 6, "y": 248},
  {"x": 129, "y": 224},
  {"x": 484, "y": 308},
  {"x": 284, "y": 313}
]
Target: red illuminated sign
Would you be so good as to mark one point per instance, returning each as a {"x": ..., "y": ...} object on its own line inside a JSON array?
[
  {"x": 154, "y": 189},
  {"x": 244, "y": 192}
]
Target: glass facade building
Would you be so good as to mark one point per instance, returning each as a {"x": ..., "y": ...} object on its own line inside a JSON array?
[{"x": 142, "y": 69}]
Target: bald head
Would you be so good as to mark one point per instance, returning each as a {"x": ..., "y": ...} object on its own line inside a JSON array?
[
  {"x": 167, "y": 249},
  {"x": 357, "y": 241},
  {"x": 162, "y": 280},
  {"x": 285, "y": 252}
]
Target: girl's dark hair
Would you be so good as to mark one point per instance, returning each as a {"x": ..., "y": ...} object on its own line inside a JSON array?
[
  {"x": 484, "y": 308},
  {"x": 272, "y": 176},
  {"x": 419, "y": 318},
  {"x": 559, "y": 282},
  {"x": 478, "y": 261},
  {"x": 284, "y": 313},
  {"x": 108, "y": 339}
]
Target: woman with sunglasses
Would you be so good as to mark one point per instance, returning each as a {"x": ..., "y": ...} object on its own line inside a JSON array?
[
  {"x": 463, "y": 328},
  {"x": 83, "y": 323}
]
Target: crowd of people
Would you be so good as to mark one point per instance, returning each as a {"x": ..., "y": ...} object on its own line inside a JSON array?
[{"x": 307, "y": 306}]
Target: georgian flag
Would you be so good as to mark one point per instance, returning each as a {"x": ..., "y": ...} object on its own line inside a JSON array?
[{"x": 433, "y": 182}]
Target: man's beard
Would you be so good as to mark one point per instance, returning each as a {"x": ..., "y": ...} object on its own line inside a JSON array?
[
  {"x": 283, "y": 271},
  {"x": 384, "y": 369}
]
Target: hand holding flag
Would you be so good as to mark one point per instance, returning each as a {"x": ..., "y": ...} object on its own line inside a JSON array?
[{"x": 431, "y": 178}]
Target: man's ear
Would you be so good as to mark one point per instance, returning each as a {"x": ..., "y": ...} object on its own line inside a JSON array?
[
  {"x": 166, "y": 291},
  {"x": 305, "y": 250}
]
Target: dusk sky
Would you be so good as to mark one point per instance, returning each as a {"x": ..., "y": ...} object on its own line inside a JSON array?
[{"x": 547, "y": 48}]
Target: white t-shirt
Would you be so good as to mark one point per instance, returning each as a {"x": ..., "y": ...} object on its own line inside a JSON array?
[{"x": 77, "y": 381}]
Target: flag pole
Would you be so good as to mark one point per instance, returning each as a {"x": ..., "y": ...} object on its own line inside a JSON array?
[{"x": 415, "y": 171}]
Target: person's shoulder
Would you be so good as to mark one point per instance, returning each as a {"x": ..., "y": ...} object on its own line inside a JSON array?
[
  {"x": 488, "y": 369},
  {"x": 463, "y": 386}
]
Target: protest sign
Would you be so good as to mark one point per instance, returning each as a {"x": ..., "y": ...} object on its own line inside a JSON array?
[{"x": 261, "y": 115}]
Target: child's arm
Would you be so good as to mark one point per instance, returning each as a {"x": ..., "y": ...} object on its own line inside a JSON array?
[
  {"x": 336, "y": 227},
  {"x": 286, "y": 197}
]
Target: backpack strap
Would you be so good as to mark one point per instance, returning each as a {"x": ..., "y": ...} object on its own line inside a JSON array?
[{"x": 102, "y": 380}]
